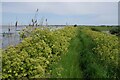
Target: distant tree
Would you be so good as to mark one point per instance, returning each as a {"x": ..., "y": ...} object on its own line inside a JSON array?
[
  {"x": 75, "y": 25},
  {"x": 115, "y": 31}
]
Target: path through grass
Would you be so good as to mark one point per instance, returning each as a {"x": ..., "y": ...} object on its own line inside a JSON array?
[
  {"x": 69, "y": 64},
  {"x": 80, "y": 61},
  {"x": 89, "y": 63}
]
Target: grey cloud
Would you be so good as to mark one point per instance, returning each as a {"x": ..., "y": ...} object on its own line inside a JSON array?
[{"x": 63, "y": 8}]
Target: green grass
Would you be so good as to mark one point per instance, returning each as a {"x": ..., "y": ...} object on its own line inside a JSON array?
[
  {"x": 70, "y": 62},
  {"x": 80, "y": 61},
  {"x": 88, "y": 60},
  {"x": 103, "y": 28}
]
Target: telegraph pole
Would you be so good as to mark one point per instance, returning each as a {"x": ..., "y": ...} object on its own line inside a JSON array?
[
  {"x": 46, "y": 23},
  {"x": 16, "y": 24},
  {"x": 35, "y": 19}
]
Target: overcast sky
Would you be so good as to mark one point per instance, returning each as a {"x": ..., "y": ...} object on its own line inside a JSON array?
[
  {"x": 94, "y": 13},
  {"x": 60, "y": 0}
]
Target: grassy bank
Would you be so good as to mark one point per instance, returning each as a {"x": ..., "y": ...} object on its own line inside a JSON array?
[
  {"x": 82, "y": 61},
  {"x": 68, "y": 66},
  {"x": 70, "y": 52},
  {"x": 88, "y": 61}
]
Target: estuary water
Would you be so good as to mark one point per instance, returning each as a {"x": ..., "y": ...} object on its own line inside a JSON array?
[{"x": 9, "y": 35}]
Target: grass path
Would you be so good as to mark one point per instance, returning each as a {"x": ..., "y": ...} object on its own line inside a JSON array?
[
  {"x": 80, "y": 61},
  {"x": 89, "y": 63},
  {"x": 70, "y": 62}
]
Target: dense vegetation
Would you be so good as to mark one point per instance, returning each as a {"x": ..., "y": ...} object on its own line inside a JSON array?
[
  {"x": 91, "y": 55},
  {"x": 115, "y": 31},
  {"x": 106, "y": 51},
  {"x": 33, "y": 56},
  {"x": 104, "y": 28},
  {"x": 69, "y": 52}
]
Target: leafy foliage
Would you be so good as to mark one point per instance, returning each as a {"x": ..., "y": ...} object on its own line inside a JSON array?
[
  {"x": 96, "y": 54},
  {"x": 115, "y": 31},
  {"x": 37, "y": 51},
  {"x": 107, "y": 51}
]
